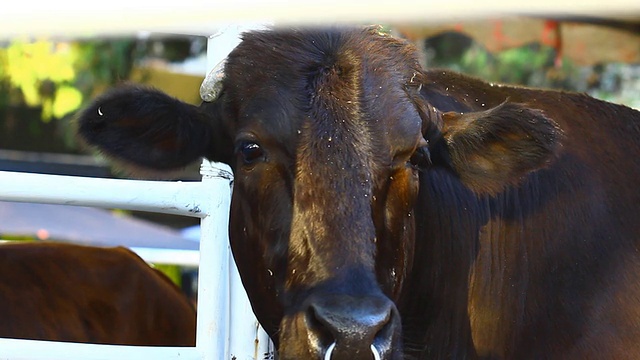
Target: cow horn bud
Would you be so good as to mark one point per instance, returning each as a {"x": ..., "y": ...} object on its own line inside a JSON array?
[{"x": 212, "y": 84}]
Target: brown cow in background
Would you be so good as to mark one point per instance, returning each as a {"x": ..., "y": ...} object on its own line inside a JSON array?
[{"x": 51, "y": 291}]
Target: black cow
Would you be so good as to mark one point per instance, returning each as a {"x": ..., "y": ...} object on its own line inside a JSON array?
[{"x": 385, "y": 211}]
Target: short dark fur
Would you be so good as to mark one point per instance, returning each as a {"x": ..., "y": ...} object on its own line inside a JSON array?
[{"x": 430, "y": 214}]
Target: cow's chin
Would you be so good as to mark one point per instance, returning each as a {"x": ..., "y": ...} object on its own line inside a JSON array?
[{"x": 300, "y": 338}]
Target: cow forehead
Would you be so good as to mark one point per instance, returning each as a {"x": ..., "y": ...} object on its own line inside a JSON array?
[{"x": 276, "y": 80}]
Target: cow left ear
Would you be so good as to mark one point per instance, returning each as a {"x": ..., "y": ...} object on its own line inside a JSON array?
[
  {"x": 492, "y": 149},
  {"x": 146, "y": 128}
]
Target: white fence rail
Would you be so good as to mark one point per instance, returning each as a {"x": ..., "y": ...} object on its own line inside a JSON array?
[{"x": 224, "y": 312}]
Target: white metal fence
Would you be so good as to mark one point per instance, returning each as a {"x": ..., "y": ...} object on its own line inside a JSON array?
[{"x": 226, "y": 326}]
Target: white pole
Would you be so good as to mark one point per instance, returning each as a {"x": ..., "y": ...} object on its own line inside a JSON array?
[
  {"x": 212, "y": 335},
  {"x": 170, "y": 197},
  {"x": 247, "y": 339},
  {"x": 180, "y": 257}
]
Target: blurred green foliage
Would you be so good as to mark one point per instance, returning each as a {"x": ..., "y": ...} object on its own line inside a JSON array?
[
  {"x": 534, "y": 65},
  {"x": 58, "y": 76},
  {"x": 531, "y": 65},
  {"x": 43, "y": 82},
  {"x": 173, "y": 272},
  {"x": 12, "y": 237}
]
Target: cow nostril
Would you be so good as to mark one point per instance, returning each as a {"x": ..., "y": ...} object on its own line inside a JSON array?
[
  {"x": 385, "y": 335},
  {"x": 318, "y": 331}
]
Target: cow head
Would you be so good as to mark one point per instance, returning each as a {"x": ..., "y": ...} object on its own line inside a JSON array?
[{"x": 325, "y": 131}]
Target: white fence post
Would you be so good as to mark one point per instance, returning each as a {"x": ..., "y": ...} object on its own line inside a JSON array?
[
  {"x": 243, "y": 325},
  {"x": 213, "y": 282}
]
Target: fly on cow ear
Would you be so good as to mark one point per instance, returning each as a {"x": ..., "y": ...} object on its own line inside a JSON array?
[{"x": 492, "y": 149}]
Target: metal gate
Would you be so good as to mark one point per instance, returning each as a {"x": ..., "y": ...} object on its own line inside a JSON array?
[{"x": 226, "y": 326}]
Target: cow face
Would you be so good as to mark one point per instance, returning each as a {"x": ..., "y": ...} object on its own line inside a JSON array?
[
  {"x": 325, "y": 177},
  {"x": 325, "y": 131}
]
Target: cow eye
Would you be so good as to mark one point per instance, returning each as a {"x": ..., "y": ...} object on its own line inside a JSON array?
[
  {"x": 421, "y": 158},
  {"x": 250, "y": 152}
]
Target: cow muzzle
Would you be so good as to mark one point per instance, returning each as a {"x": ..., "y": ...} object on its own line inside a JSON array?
[{"x": 343, "y": 327}]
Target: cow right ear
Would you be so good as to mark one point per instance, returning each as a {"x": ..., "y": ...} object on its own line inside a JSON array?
[
  {"x": 147, "y": 128},
  {"x": 492, "y": 149}
]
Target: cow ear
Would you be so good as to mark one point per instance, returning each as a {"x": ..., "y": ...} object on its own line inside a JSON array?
[
  {"x": 492, "y": 149},
  {"x": 146, "y": 128}
]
